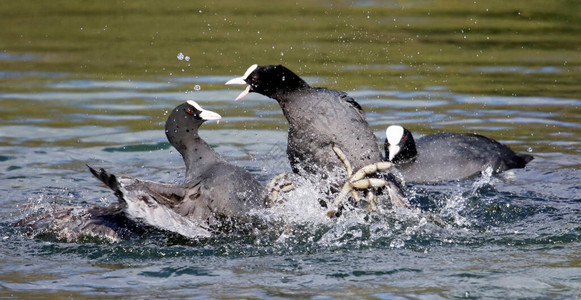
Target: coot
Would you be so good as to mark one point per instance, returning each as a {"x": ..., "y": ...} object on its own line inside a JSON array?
[{"x": 448, "y": 156}]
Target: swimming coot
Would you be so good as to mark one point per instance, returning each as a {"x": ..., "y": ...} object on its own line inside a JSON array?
[
  {"x": 447, "y": 156},
  {"x": 214, "y": 197}
]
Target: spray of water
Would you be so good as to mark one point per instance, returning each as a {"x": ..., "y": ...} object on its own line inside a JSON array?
[{"x": 300, "y": 217}]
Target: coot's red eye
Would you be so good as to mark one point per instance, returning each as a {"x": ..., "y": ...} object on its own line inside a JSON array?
[
  {"x": 254, "y": 79},
  {"x": 403, "y": 138},
  {"x": 189, "y": 111}
]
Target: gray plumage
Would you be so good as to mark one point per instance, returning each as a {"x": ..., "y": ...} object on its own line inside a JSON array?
[
  {"x": 319, "y": 118},
  {"x": 214, "y": 197},
  {"x": 70, "y": 223},
  {"x": 452, "y": 156}
]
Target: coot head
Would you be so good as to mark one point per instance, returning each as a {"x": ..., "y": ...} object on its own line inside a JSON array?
[
  {"x": 399, "y": 145},
  {"x": 184, "y": 122},
  {"x": 268, "y": 80}
]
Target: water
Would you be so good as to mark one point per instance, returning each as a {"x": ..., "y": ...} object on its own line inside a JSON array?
[{"x": 516, "y": 235}]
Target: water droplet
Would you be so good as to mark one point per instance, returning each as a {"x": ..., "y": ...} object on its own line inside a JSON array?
[
  {"x": 397, "y": 243},
  {"x": 187, "y": 58},
  {"x": 197, "y": 87},
  {"x": 530, "y": 149},
  {"x": 180, "y": 56}
]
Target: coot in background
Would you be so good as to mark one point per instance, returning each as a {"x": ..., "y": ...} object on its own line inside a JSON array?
[{"x": 447, "y": 156}]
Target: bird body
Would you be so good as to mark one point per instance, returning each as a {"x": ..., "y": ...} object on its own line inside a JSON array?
[
  {"x": 214, "y": 197},
  {"x": 319, "y": 119},
  {"x": 448, "y": 156}
]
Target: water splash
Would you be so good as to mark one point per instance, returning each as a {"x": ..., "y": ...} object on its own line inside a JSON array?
[
  {"x": 300, "y": 222},
  {"x": 485, "y": 179}
]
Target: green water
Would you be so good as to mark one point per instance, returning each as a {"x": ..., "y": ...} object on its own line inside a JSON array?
[
  {"x": 516, "y": 48},
  {"x": 401, "y": 45},
  {"x": 91, "y": 82}
]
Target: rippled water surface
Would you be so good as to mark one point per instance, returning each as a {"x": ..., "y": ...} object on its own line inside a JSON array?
[{"x": 96, "y": 88}]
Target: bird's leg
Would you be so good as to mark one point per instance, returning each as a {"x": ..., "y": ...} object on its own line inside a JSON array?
[
  {"x": 359, "y": 181},
  {"x": 356, "y": 180},
  {"x": 344, "y": 159},
  {"x": 347, "y": 164},
  {"x": 278, "y": 184},
  {"x": 396, "y": 195}
]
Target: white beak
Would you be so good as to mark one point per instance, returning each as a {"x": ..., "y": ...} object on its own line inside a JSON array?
[
  {"x": 242, "y": 80},
  {"x": 237, "y": 80},
  {"x": 207, "y": 115},
  {"x": 243, "y": 94},
  {"x": 393, "y": 151}
]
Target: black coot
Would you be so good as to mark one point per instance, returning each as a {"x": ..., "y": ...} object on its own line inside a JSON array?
[
  {"x": 319, "y": 119},
  {"x": 447, "y": 156},
  {"x": 215, "y": 196}
]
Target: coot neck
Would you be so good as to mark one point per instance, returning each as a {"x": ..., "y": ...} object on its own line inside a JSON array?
[
  {"x": 408, "y": 152},
  {"x": 282, "y": 83},
  {"x": 295, "y": 103},
  {"x": 198, "y": 156}
]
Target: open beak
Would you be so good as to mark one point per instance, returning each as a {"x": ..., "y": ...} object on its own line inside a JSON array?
[
  {"x": 241, "y": 81},
  {"x": 207, "y": 115},
  {"x": 393, "y": 151}
]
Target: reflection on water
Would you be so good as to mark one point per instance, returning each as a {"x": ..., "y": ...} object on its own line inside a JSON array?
[{"x": 93, "y": 84}]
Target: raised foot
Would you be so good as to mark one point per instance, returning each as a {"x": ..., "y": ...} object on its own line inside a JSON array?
[
  {"x": 277, "y": 185},
  {"x": 359, "y": 181}
]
